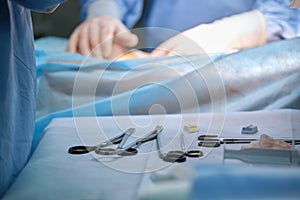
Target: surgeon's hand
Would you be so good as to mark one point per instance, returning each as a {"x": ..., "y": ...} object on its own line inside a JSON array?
[
  {"x": 101, "y": 37},
  {"x": 231, "y": 33}
]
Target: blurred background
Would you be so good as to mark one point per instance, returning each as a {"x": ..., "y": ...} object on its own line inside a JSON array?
[{"x": 60, "y": 23}]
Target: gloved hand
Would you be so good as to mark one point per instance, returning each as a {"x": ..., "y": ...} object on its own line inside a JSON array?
[
  {"x": 231, "y": 33},
  {"x": 102, "y": 37}
]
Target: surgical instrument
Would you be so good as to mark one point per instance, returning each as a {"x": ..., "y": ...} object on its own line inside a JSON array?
[
  {"x": 215, "y": 141},
  {"x": 171, "y": 156},
  {"x": 120, "y": 150},
  {"x": 115, "y": 140},
  {"x": 128, "y": 149},
  {"x": 148, "y": 137},
  {"x": 177, "y": 155},
  {"x": 264, "y": 156},
  {"x": 189, "y": 153}
]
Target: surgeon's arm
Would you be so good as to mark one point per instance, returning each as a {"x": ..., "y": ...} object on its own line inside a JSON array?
[
  {"x": 39, "y": 5},
  {"x": 268, "y": 21},
  {"x": 282, "y": 22},
  {"x": 102, "y": 34},
  {"x": 238, "y": 31}
]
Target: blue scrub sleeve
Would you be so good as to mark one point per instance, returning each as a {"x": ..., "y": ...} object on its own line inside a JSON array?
[
  {"x": 93, "y": 8},
  {"x": 38, "y": 4},
  {"x": 132, "y": 9},
  {"x": 281, "y": 20},
  {"x": 84, "y": 7},
  {"x": 129, "y": 10}
]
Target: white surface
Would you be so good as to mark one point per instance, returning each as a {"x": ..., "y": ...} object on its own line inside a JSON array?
[{"x": 52, "y": 173}]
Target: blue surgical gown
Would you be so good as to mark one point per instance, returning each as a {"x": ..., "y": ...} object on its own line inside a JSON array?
[
  {"x": 179, "y": 15},
  {"x": 17, "y": 85}
]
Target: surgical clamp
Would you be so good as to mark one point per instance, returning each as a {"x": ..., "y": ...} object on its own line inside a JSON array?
[
  {"x": 130, "y": 149},
  {"x": 115, "y": 140}
]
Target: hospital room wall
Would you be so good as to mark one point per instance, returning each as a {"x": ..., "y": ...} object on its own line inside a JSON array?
[{"x": 60, "y": 23}]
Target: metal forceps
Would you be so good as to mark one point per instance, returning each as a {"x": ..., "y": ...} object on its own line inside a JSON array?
[
  {"x": 216, "y": 141},
  {"x": 177, "y": 155},
  {"x": 130, "y": 149},
  {"x": 115, "y": 140}
]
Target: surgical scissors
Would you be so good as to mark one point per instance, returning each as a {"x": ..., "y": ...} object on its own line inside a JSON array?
[
  {"x": 115, "y": 140},
  {"x": 129, "y": 149},
  {"x": 216, "y": 141},
  {"x": 189, "y": 153},
  {"x": 177, "y": 155}
]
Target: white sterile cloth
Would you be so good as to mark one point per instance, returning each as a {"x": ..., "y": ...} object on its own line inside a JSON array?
[{"x": 53, "y": 173}]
